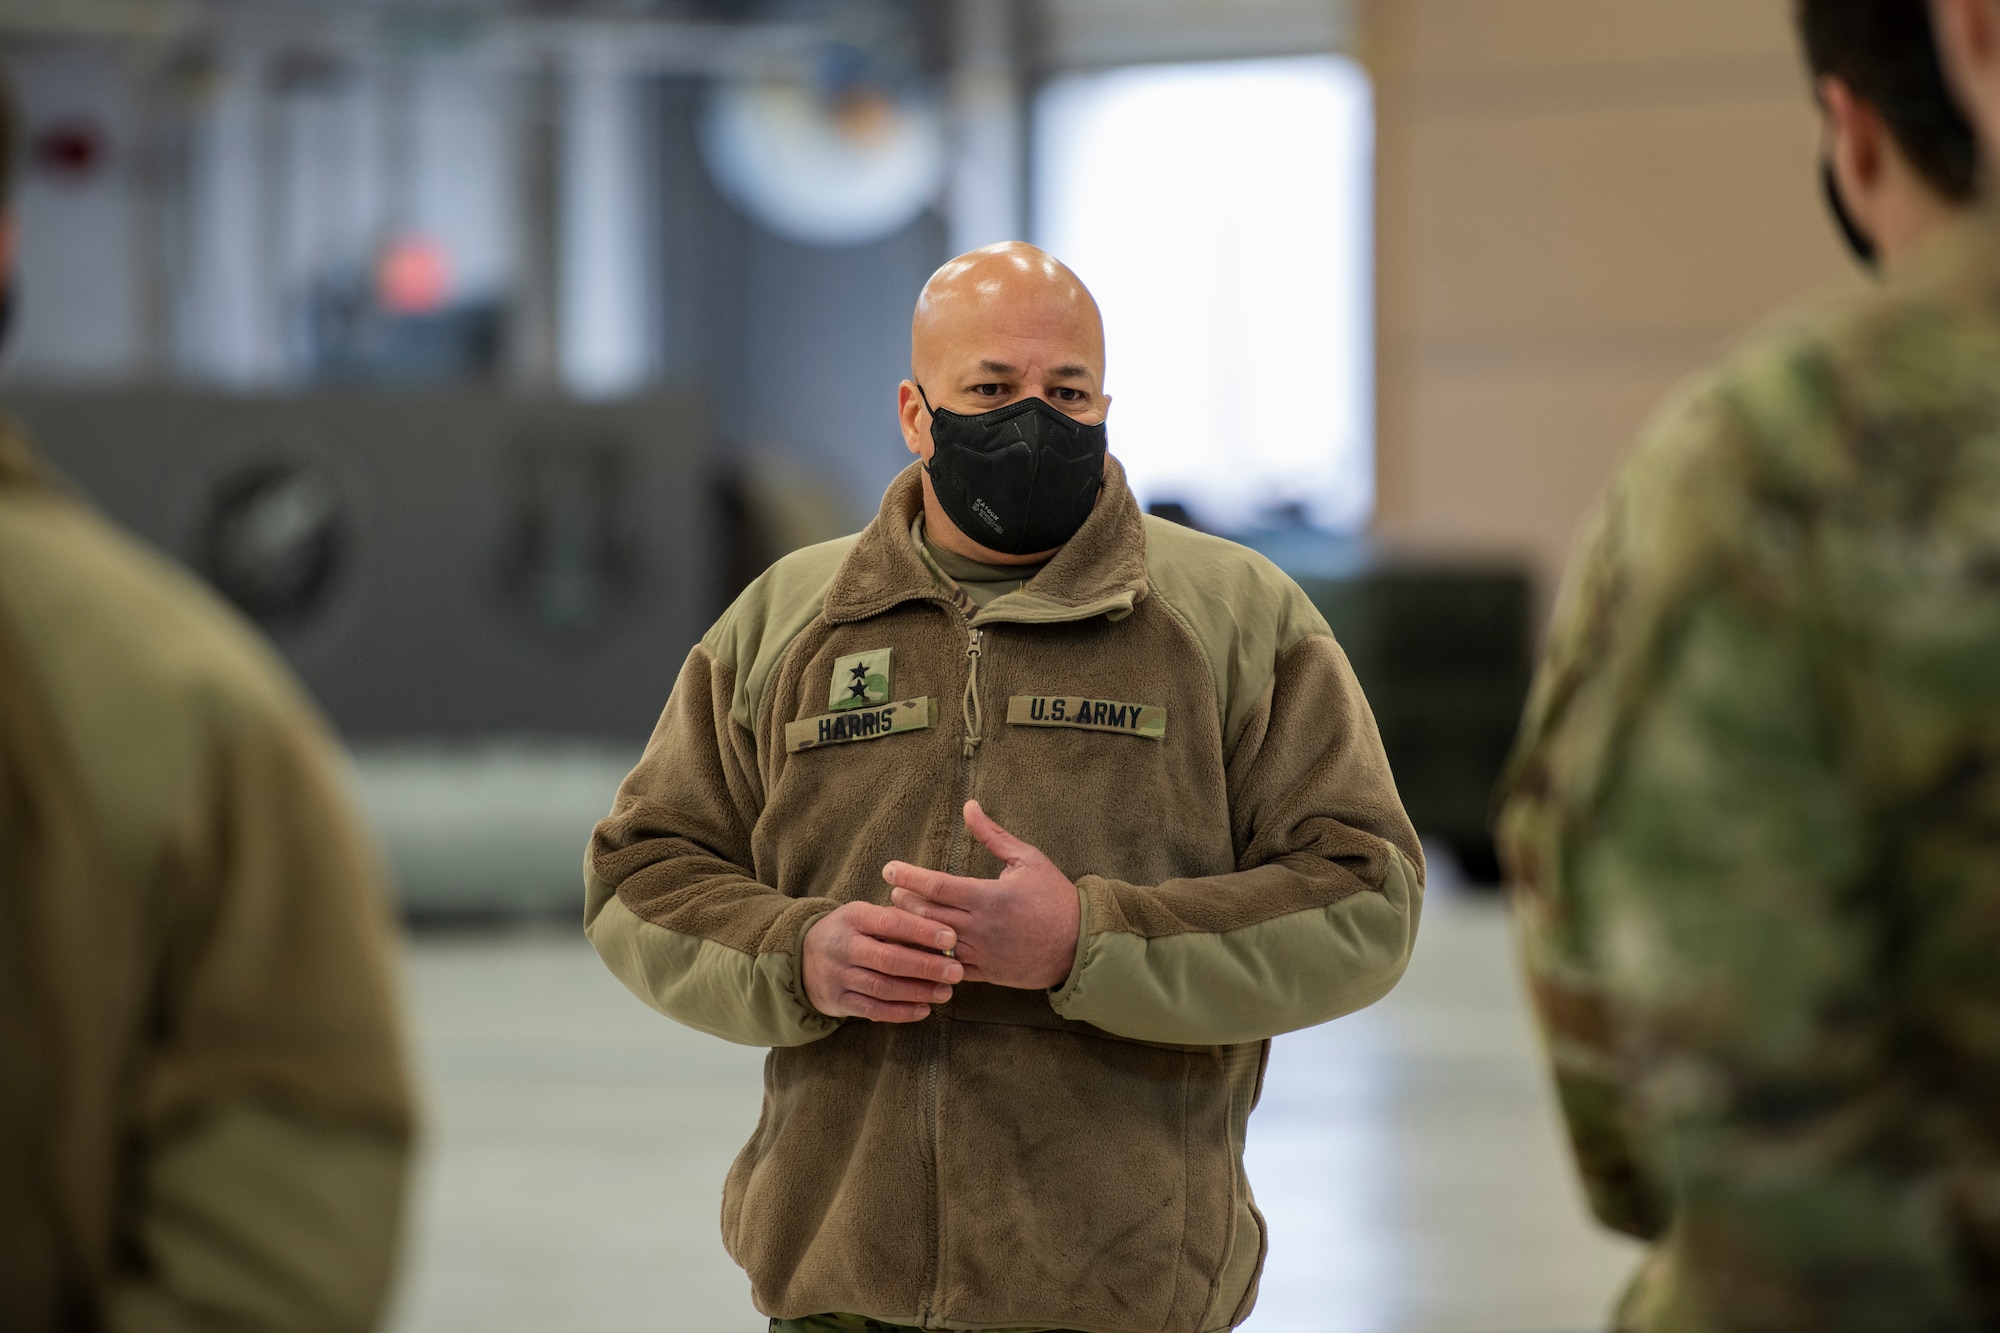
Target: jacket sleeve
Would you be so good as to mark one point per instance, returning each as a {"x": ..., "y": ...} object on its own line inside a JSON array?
[
  {"x": 1320, "y": 916},
  {"x": 275, "y": 1129},
  {"x": 671, "y": 903},
  {"x": 256, "y": 1218}
]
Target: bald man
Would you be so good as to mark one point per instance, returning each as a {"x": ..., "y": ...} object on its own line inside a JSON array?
[{"x": 1016, "y": 825}]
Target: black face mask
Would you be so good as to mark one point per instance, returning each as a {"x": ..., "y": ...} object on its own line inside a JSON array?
[
  {"x": 1858, "y": 241},
  {"x": 1019, "y": 479}
]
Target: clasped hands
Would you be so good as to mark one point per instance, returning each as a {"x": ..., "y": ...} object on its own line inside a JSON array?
[{"x": 888, "y": 964}]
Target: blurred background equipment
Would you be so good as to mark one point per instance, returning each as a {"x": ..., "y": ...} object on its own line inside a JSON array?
[
  {"x": 274, "y": 539},
  {"x": 1443, "y": 645},
  {"x": 1443, "y": 650},
  {"x": 839, "y": 144},
  {"x": 437, "y": 565}
]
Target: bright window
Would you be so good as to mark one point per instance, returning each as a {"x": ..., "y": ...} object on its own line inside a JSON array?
[{"x": 1221, "y": 214}]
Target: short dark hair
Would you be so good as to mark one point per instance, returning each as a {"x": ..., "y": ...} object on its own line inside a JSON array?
[{"x": 1885, "y": 52}]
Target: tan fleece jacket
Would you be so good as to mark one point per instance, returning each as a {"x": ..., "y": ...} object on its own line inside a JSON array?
[
  {"x": 204, "y": 1112},
  {"x": 1168, "y": 718}
]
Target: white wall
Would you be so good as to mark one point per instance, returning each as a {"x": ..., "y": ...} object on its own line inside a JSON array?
[{"x": 1220, "y": 212}]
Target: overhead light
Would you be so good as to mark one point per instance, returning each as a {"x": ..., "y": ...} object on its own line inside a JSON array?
[{"x": 838, "y": 153}]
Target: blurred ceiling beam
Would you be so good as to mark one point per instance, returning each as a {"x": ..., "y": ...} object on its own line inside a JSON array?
[
  {"x": 695, "y": 39},
  {"x": 1096, "y": 34},
  {"x": 117, "y": 19},
  {"x": 510, "y": 36}
]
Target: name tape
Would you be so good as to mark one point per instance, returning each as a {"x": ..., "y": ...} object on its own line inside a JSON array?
[
  {"x": 859, "y": 724},
  {"x": 1062, "y": 710}
]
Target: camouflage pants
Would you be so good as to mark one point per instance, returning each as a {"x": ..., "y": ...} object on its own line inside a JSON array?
[{"x": 854, "y": 1323}]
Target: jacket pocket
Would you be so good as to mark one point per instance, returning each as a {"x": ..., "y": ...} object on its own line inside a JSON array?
[{"x": 1083, "y": 1181}]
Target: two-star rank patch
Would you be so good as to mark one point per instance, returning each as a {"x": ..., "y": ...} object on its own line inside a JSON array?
[
  {"x": 860, "y": 680},
  {"x": 858, "y": 707},
  {"x": 1068, "y": 710}
]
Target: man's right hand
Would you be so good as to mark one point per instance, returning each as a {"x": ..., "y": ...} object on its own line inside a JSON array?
[{"x": 858, "y": 963}]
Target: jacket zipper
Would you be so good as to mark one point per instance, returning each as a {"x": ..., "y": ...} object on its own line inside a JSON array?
[{"x": 955, "y": 857}]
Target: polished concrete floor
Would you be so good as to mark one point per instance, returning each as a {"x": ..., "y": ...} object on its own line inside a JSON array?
[{"x": 1407, "y": 1157}]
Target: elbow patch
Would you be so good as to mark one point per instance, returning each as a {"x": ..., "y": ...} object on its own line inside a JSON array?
[{"x": 1279, "y": 975}]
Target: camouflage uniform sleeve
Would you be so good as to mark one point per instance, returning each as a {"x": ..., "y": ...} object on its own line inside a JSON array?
[
  {"x": 1565, "y": 991},
  {"x": 1713, "y": 906}
]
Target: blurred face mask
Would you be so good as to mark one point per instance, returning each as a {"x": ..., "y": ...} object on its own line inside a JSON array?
[
  {"x": 1858, "y": 241},
  {"x": 1019, "y": 479}
]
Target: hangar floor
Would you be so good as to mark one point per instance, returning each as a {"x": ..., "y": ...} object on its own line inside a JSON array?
[{"x": 1407, "y": 1158}]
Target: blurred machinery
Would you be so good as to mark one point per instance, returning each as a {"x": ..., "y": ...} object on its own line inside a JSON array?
[
  {"x": 1444, "y": 653},
  {"x": 1443, "y": 647},
  {"x": 491, "y": 594},
  {"x": 436, "y": 565}
]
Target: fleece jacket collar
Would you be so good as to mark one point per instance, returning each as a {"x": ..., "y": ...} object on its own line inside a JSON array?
[{"x": 1099, "y": 572}]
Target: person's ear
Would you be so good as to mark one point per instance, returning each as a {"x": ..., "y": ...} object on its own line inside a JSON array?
[
  {"x": 910, "y": 411},
  {"x": 1856, "y": 143},
  {"x": 1968, "y": 37},
  {"x": 1968, "y": 41}
]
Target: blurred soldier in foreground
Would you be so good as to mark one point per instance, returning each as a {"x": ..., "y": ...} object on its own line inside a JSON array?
[
  {"x": 204, "y": 1112},
  {"x": 1044, "y": 1131},
  {"x": 1754, "y": 822}
]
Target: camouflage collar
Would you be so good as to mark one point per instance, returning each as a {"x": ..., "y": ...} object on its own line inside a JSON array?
[
  {"x": 1100, "y": 572},
  {"x": 1962, "y": 263}
]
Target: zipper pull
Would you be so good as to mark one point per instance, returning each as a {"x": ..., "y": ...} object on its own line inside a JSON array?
[{"x": 973, "y": 714}]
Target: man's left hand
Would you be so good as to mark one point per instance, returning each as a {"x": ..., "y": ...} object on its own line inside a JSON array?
[{"x": 1018, "y": 930}]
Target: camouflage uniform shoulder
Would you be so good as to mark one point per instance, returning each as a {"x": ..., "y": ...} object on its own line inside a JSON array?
[
  {"x": 1797, "y": 471},
  {"x": 1855, "y": 387},
  {"x": 1759, "y": 430},
  {"x": 1820, "y": 404}
]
